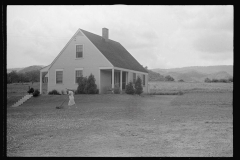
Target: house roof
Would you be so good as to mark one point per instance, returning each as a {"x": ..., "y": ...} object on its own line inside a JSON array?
[{"x": 115, "y": 52}]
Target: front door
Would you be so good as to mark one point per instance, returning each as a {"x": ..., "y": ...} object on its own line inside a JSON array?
[{"x": 123, "y": 80}]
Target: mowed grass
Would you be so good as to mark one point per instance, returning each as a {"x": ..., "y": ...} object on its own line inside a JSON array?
[
  {"x": 193, "y": 124},
  {"x": 16, "y": 91}
]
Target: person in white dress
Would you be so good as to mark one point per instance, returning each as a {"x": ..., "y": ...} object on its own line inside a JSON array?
[{"x": 71, "y": 98}]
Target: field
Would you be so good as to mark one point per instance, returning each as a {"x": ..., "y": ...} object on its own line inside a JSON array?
[
  {"x": 195, "y": 124},
  {"x": 189, "y": 87}
]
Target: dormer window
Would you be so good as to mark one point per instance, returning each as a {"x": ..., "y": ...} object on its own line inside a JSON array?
[{"x": 79, "y": 51}]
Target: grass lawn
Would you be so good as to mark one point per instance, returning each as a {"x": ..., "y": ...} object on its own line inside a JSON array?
[
  {"x": 194, "y": 124},
  {"x": 16, "y": 91}
]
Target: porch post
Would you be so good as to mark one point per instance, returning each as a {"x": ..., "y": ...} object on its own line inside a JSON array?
[
  {"x": 146, "y": 82},
  {"x": 99, "y": 85},
  {"x": 40, "y": 82},
  {"x": 112, "y": 78},
  {"x": 120, "y": 80}
]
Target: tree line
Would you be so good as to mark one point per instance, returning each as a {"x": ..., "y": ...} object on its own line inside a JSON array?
[
  {"x": 16, "y": 77},
  {"x": 229, "y": 80}
]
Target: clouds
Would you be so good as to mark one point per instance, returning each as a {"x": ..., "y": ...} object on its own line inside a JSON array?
[
  {"x": 213, "y": 27},
  {"x": 34, "y": 33},
  {"x": 157, "y": 36},
  {"x": 204, "y": 33},
  {"x": 204, "y": 17},
  {"x": 213, "y": 33},
  {"x": 214, "y": 42}
]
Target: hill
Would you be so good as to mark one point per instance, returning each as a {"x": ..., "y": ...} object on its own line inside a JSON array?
[
  {"x": 13, "y": 69},
  {"x": 197, "y": 73},
  {"x": 219, "y": 75},
  {"x": 202, "y": 69},
  {"x": 26, "y": 69},
  {"x": 153, "y": 76},
  {"x": 30, "y": 68}
]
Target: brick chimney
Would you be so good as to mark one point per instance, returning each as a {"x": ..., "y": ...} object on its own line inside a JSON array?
[{"x": 105, "y": 34}]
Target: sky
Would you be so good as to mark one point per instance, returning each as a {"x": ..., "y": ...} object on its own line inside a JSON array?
[{"x": 158, "y": 36}]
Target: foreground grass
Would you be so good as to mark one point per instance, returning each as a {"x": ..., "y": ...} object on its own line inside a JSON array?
[{"x": 196, "y": 124}]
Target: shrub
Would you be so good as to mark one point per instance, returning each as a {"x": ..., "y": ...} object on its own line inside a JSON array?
[
  {"x": 54, "y": 92},
  {"x": 31, "y": 90},
  {"x": 215, "y": 80},
  {"x": 180, "y": 93},
  {"x": 180, "y": 80},
  {"x": 138, "y": 86},
  {"x": 223, "y": 80},
  {"x": 108, "y": 89},
  {"x": 75, "y": 92},
  {"x": 207, "y": 80},
  {"x": 82, "y": 81},
  {"x": 230, "y": 79},
  {"x": 129, "y": 88},
  {"x": 116, "y": 89},
  {"x": 87, "y": 85},
  {"x": 63, "y": 92},
  {"x": 91, "y": 87},
  {"x": 36, "y": 93},
  {"x": 169, "y": 78}
]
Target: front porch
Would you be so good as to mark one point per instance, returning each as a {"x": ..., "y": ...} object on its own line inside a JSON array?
[{"x": 111, "y": 78}]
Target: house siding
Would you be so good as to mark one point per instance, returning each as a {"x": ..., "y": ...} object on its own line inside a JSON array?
[{"x": 91, "y": 61}]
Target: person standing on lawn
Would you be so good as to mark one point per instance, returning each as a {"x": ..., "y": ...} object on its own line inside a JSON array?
[{"x": 71, "y": 98}]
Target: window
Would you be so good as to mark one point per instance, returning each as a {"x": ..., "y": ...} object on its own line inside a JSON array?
[
  {"x": 78, "y": 74},
  {"x": 59, "y": 77},
  {"x": 134, "y": 77},
  {"x": 79, "y": 51},
  {"x": 144, "y": 80}
]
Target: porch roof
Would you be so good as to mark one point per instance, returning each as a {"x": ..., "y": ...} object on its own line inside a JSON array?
[{"x": 45, "y": 69}]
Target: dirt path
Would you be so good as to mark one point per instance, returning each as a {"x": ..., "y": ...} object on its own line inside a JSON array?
[{"x": 126, "y": 126}]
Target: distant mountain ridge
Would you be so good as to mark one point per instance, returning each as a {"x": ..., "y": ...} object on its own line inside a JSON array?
[
  {"x": 203, "y": 69},
  {"x": 26, "y": 69},
  {"x": 13, "y": 69},
  {"x": 198, "y": 73}
]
